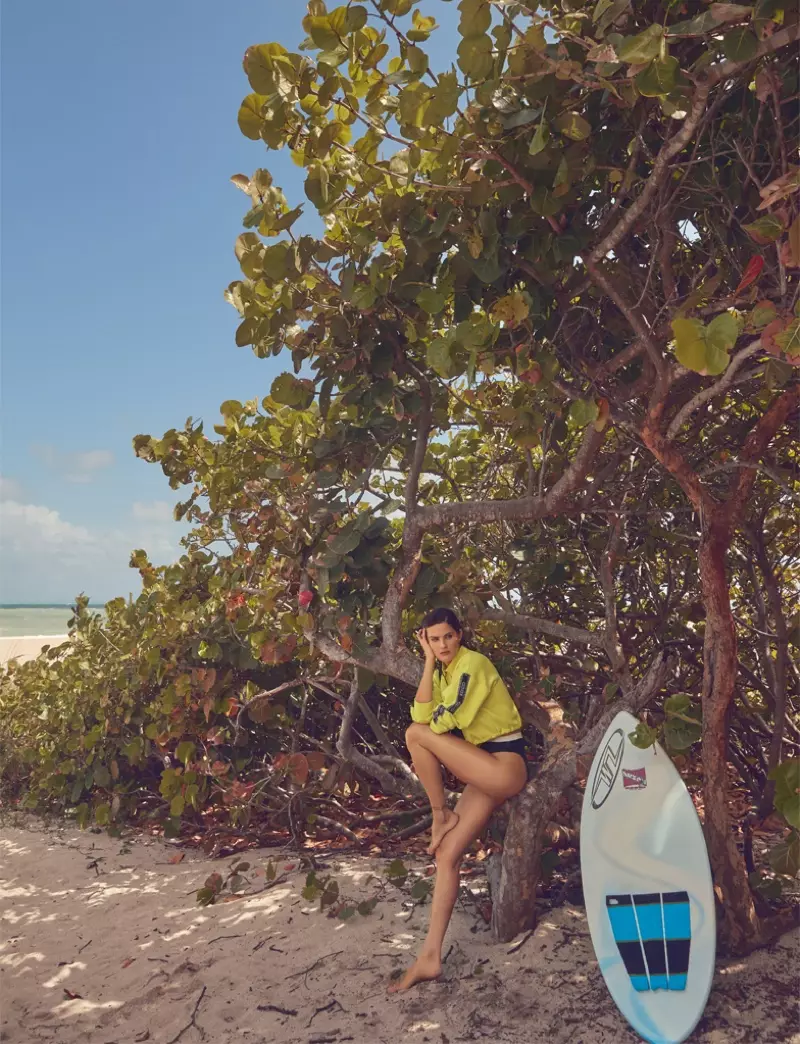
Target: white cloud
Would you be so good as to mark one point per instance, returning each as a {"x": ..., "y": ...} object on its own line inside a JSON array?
[
  {"x": 44, "y": 557},
  {"x": 152, "y": 511},
  {"x": 28, "y": 527},
  {"x": 80, "y": 467}
]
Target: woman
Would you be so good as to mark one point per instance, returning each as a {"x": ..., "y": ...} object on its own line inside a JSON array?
[{"x": 464, "y": 719}]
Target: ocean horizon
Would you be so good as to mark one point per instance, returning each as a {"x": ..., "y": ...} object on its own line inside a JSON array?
[{"x": 21, "y": 620}]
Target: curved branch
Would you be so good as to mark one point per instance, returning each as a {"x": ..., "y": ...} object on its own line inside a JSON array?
[
  {"x": 535, "y": 624},
  {"x": 524, "y": 508},
  {"x": 755, "y": 444},
  {"x": 725, "y": 381}
]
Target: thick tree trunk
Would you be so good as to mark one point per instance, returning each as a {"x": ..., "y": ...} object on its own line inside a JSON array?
[
  {"x": 739, "y": 923},
  {"x": 514, "y": 904},
  {"x": 514, "y": 899}
]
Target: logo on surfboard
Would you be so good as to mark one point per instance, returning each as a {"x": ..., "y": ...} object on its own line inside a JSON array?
[
  {"x": 634, "y": 779},
  {"x": 608, "y": 765}
]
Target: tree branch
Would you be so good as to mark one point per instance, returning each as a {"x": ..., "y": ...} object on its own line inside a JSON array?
[
  {"x": 525, "y": 508},
  {"x": 351, "y": 753},
  {"x": 725, "y": 381},
  {"x": 634, "y": 316},
  {"x": 535, "y": 624},
  {"x": 611, "y": 644},
  {"x": 755, "y": 444}
]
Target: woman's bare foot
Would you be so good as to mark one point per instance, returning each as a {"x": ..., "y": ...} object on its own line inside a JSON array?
[
  {"x": 422, "y": 970},
  {"x": 442, "y": 824}
]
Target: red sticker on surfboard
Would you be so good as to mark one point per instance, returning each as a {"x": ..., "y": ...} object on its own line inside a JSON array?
[{"x": 634, "y": 779}]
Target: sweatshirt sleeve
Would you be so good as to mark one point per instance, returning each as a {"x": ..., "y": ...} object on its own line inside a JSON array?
[
  {"x": 473, "y": 688},
  {"x": 423, "y": 712}
]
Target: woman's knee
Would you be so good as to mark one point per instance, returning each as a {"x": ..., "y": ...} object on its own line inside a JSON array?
[{"x": 414, "y": 733}]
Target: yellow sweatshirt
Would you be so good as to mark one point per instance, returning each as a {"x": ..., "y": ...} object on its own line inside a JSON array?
[{"x": 471, "y": 696}]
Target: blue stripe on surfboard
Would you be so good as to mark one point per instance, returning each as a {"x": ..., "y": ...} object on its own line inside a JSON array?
[
  {"x": 623, "y": 921},
  {"x": 649, "y": 915},
  {"x": 677, "y": 982},
  {"x": 677, "y": 920}
]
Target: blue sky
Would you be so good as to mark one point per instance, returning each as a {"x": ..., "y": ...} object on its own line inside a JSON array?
[{"x": 119, "y": 137}]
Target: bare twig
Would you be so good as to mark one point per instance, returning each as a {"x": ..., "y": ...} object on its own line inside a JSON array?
[
  {"x": 192, "y": 1021},
  {"x": 277, "y": 1008}
]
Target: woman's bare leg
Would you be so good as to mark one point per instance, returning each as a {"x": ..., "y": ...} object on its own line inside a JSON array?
[
  {"x": 429, "y": 770},
  {"x": 499, "y": 775},
  {"x": 473, "y": 810}
]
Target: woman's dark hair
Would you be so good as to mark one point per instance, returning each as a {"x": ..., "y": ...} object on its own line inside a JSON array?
[{"x": 440, "y": 616}]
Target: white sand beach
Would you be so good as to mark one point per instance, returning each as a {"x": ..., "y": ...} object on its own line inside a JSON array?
[
  {"x": 27, "y": 647},
  {"x": 104, "y": 943}
]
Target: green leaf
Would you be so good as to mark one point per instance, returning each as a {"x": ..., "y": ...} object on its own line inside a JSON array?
[
  {"x": 695, "y": 348},
  {"x": 185, "y": 751},
  {"x": 643, "y": 736},
  {"x": 762, "y": 315},
  {"x": 421, "y": 889},
  {"x": 102, "y": 814},
  {"x": 346, "y": 913},
  {"x": 438, "y": 357},
  {"x": 740, "y": 44},
  {"x": 365, "y": 908},
  {"x": 658, "y": 78},
  {"x": 785, "y": 857},
  {"x": 263, "y": 68},
  {"x": 330, "y": 895},
  {"x": 417, "y": 60},
  {"x": 397, "y": 871},
  {"x": 102, "y": 777},
  {"x": 765, "y": 229},
  {"x": 767, "y": 887},
  {"x": 572, "y": 125},
  {"x": 680, "y": 733},
  {"x": 636, "y": 49},
  {"x": 787, "y": 790},
  {"x": 583, "y": 412},
  {"x": 789, "y": 339},
  {"x": 356, "y": 18},
  {"x": 250, "y": 118},
  {"x": 678, "y": 703},
  {"x": 475, "y": 58},
  {"x": 177, "y": 805},
  {"x": 431, "y": 300},
  {"x": 723, "y": 331},
  {"x": 289, "y": 390},
  {"x": 540, "y": 139}
]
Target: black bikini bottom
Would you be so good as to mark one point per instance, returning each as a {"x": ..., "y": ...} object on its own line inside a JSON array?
[{"x": 498, "y": 746}]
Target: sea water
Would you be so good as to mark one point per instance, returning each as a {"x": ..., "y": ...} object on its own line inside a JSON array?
[{"x": 17, "y": 621}]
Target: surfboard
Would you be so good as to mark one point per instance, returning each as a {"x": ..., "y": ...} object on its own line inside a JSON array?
[{"x": 647, "y": 887}]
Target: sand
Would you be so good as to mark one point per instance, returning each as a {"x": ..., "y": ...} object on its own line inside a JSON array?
[
  {"x": 28, "y": 647},
  {"x": 103, "y": 942}
]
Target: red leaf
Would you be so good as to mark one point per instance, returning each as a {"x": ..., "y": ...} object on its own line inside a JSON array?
[
  {"x": 768, "y": 335},
  {"x": 298, "y": 767},
  {"x": 751, "y": 273},
  {"x": 532, "y": 376},
  {"x": 305, "y": 598},
  {"x": 177, "y": 858},
  {"x": 128, "y": 962}
]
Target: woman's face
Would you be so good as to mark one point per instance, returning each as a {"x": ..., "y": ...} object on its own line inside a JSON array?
[{"x": 445, "y": 641}]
